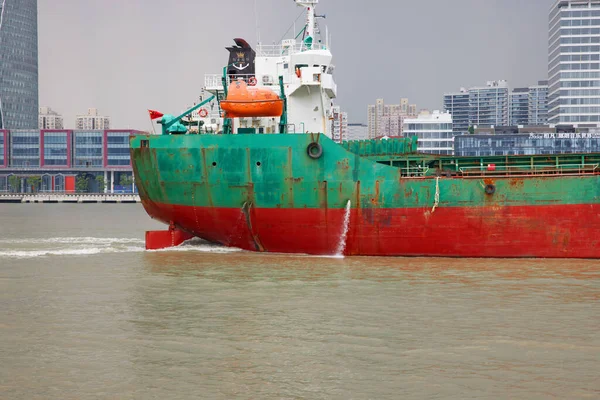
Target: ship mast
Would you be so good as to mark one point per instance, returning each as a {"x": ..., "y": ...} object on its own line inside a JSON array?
[{"x": 310, "y": 19}]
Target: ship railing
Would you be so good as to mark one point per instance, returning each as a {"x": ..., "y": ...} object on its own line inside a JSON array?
[
  {"x": 542, "y": 169},
  {"x": 414, "y": 172},
  {"x": 215, "y": 81},
  {"x": 278, "y": 50}
]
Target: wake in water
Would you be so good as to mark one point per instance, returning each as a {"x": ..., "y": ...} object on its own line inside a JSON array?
[
  {"x": 67, "y": 246},
  {"x": 201, "y": 245},
  {"x": 68, "y": 240},
  {"x": 82, "y": 246}
]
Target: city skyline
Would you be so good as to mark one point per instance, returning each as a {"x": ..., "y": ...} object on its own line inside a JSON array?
[{"x": 84, "y": 61}]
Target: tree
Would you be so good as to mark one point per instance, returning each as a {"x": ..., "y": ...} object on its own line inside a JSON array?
[
  {"x": 101, "y": 183},
  {"x": 471, "y": 130},
  {"x": 81, "y": 183},
  {"x": 125, "y": 180},
  {"x": 34, "y": 182},
  {"x": 15, "y": 183}
]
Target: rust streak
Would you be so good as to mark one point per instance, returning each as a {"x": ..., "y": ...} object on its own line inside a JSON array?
[
  {"x": 291, "y": 180},
  {"x": 205, "y": 177},
  {"x": 375, "y": 200}
]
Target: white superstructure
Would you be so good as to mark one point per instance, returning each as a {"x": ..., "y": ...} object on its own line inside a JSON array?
[{"x": 305, "y": 67}]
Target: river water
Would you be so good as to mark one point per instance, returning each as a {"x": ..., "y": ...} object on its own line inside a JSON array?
[{"x": 87, "y": 313}]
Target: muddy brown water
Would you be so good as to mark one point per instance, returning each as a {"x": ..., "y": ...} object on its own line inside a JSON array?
[{"x": 87, "y": 313}]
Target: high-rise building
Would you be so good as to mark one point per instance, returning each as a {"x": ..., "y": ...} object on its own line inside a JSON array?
[
  {"x": 18, "y": 64},
  {"x": 92, "y": 120},
  {"x": 457, "y": 104},
  {"x": 340, "y": 124},
  {"x": 380, "y": 110},
  {"x": 371, "y": 121},
  {"x": 433, "y": 130},
  {"x": 488, "y": 105},
  {"x": 49, "y": 119},
  {"x": 518, "y": 106},
  {"x": 357, "y": 131},
  {"x": 388, "y": 119},
  {"x": 538, "y": 104},
  {"x": 574, "y": 62},
  {"x": 412, "y": 110},
  {"x": 494, "y": 106}
]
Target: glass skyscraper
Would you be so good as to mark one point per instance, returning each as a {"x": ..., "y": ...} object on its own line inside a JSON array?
[
  {"x": 574, "y": 62},
  {"x": 18, "y": 64},
  {"x": 457, "y": 104},
  {"x": 488, "y": 105}
]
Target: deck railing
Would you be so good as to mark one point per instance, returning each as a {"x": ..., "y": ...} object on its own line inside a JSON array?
[
  {"x": 215, "y": 81},
  {"x": 543, "y": 169},
  {"x": 414, "y": 172},
  {"x": 278, "y": 50}
]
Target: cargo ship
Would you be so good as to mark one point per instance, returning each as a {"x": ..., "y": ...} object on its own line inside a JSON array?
[{"x": 256, "y": 165}]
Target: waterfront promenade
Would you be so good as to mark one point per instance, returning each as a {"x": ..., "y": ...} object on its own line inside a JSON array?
[{"x": 69, "y": 198}]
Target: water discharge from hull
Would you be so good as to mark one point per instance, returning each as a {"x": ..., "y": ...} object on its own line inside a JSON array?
[{"x": 342, "y": 242}]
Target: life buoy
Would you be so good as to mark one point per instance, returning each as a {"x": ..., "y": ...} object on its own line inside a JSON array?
[
  {"x": 298, "y": 72},
  {"x": 314, "y": 150},
  {"x": 252, "y": 81},
  {"x": 203, "y": 113},
  {"x": 490, "y": 189}
]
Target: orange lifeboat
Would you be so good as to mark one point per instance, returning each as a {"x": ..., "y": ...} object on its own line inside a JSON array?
[{"x": 245, "y": 101}]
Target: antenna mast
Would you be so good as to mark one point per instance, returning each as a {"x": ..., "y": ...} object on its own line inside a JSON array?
[
  {"x": 256, "y": 19},
  {"x": 310, "y": 16}
]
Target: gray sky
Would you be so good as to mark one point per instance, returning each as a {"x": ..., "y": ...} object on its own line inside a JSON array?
[{"x": 125, "y": 56}]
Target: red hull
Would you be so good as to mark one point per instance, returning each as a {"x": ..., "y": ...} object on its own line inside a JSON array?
[
  {"x": 156, "y": 240},
  {"x": 565, "y": 231}
]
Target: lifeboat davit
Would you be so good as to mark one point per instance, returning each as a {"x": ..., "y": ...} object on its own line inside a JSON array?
[{"x": 245, "y": 101}]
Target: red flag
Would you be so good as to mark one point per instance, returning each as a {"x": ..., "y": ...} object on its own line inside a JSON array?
[{"x": 155, "y": 114}]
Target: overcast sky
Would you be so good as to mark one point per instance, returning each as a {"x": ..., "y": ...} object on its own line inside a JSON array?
[{"x": 125, "y": 56}]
